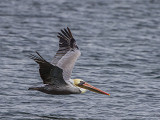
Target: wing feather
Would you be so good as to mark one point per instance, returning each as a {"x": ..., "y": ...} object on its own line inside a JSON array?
[
  {"x": 67, "y": 62},
  {"x": 49, "y": 73},
  {"x": 66, "y": 43}
]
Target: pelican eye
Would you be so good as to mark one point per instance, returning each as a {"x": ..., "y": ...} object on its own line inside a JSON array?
[{"x": 81, "y": 83}]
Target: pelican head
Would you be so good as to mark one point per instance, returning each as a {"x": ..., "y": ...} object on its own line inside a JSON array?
[{"x": 85, "y": 86}]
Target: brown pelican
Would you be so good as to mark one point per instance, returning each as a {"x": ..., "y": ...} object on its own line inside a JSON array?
[{"x": 57, "y": 75}]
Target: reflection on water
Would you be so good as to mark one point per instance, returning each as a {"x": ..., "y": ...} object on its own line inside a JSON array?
[{"x": 119, "y": 41}]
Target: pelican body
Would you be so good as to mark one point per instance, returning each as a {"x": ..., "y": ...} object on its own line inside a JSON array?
[
  {"x": 56, "y": 75},
  {"x": 60, "y": 90}
]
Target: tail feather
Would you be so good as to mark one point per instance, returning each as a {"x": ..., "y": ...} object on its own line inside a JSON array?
[{"x": 35, "y": 88}]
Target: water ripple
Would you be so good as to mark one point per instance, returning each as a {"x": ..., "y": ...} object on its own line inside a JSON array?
[{"x": 119, "y": 41}]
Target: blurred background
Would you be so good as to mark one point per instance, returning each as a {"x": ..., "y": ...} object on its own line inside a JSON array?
[{"x": 120, "y": 45}]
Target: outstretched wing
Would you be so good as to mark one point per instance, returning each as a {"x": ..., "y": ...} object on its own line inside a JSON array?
[
  {"x": 49, "y": 73},
  {"x": 66, "y": 43},
  {"x": 67, "y": 54}
]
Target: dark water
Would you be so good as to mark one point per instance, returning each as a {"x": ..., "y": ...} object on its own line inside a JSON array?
[{"x": 120, "y": 45}]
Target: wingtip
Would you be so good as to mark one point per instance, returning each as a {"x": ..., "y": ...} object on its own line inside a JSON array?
[
  {"x": 61, "y": 30},
  {"x": 68, "y": 28},
  {"x": 31, "y": 56},
  {"x": 70, "y": 32}
]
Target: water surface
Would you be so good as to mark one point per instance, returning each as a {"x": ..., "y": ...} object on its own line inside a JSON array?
[{"x": 120, "y": 46}]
